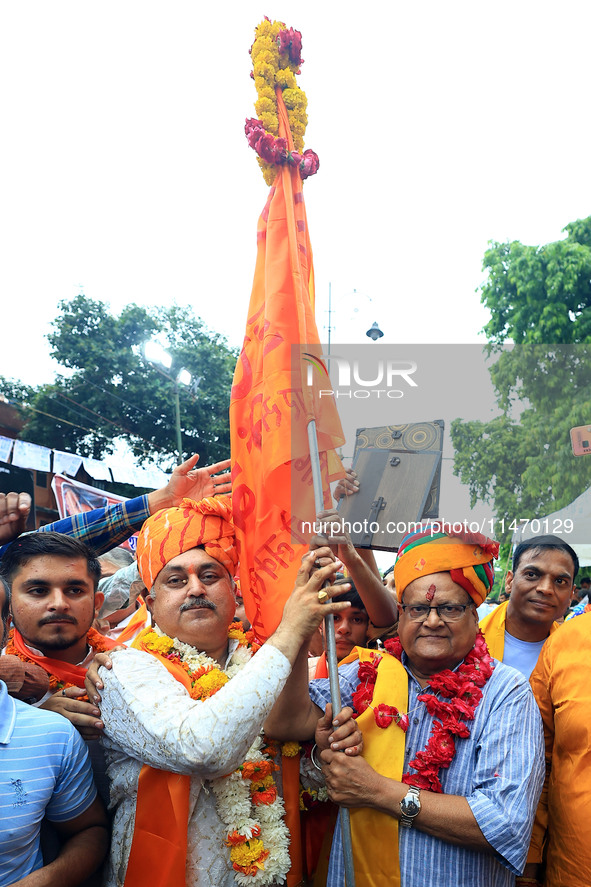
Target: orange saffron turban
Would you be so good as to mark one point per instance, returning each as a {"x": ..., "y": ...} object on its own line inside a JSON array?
[
  {"x": 172, "y": 531},
  {"x": 438, "y": 549}
]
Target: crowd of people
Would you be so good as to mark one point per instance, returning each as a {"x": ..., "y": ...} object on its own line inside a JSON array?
[{"x": 148, "y": 736}]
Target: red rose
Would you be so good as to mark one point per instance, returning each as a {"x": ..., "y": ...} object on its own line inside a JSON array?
[
  {"x": 402, "y": 721},
  {"x": 310, "y": 163},
  {"x": 442, "y": 745},
  {"x": 463, "y": 708},
  {"x": 280, "y": 150},
  {"x": 368, "y": 672},
  {"x": 428, "y": 781},
  {"x": 446, "y": 682},
  {"x": 362, "y": 698},
  {"x": 437, "y": 708},
  {"x": 283, "y": 40},
  {"x": 290, "y": 41},
  {"x": 480, "y": 645},
  {"x": 459, "y": 728},
  {"x": 295, "y": 49},
  {"x": 254, "y": 130},
  {"x": 393, "y": 647},
  {"x": 384, "y": 714},
  {"x": 472, "y": 694},
  {"x": 265, "y": 147}
]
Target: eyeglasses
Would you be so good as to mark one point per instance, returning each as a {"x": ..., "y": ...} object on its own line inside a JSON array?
[{"x": 446, "y": 612}]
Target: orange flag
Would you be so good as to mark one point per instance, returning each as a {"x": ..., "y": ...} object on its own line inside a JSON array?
[{"x": 280, "y": 383}]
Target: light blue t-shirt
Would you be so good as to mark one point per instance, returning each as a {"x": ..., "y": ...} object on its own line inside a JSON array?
[
  {"x": 44, "y": 771},
  {"x": 522, "y": 655}
]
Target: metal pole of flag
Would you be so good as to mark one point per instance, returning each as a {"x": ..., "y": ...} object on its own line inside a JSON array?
[{"x": 331, "y": 655}]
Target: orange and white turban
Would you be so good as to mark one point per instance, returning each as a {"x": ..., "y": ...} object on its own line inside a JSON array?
[
  {"x": 466, "y": 556},
  {"x": 172, "y": 531}
]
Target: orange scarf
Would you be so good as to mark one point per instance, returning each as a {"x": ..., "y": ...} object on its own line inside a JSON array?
[
  {"x": 138, "y": 621},
  {"x": 159, "y": 847},
  {"x": 61, "y": 674}
]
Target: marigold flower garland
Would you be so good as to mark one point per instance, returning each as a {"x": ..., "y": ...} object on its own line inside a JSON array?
[
  {"x": 461, "y": 687},
  {"x": 276, "y": 59},
  {"x": 247, "y": 800}
]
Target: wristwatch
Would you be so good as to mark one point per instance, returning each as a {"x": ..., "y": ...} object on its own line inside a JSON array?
[{"x": 410, "y": 806}]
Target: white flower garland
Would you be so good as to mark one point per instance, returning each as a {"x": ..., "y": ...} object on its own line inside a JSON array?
[{"x": 234, "y": 803}]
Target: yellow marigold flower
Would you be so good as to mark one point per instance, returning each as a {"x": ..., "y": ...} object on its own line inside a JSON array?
[
  {"x": 236, "y": 632},
  {"x": 290, "y": 749},
  {"x": 269, "y": 171},
  {"x": 294, "y": 98},
  {"x": 264, "y": 57},
  {"x": 265, "y": 782},
  {"x": 297, "y": 125},
  {"x": 248, "y": 853},
  {"x": 264, "y": 69},
  {"x": 263, "y": 44},
  {"x": 263, "y": 105},
  {"x": 161, "y": 645},
  {"x": 269, "y": 29},
  {"x": 285, "y": 78},
  {"x": 268, "y": 92},
  {"x": 270, "y": 122},
  {"x": 210, "y": 683}
]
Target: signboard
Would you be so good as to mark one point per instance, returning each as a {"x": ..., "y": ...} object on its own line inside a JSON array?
[
  {"x": 73, "y": 497},
  {"x": 580, "y": 438}
]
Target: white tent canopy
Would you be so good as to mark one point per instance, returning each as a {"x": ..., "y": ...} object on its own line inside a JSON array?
[{"x": 572, "y": 523}]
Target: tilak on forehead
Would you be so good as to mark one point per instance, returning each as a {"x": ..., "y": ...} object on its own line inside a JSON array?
[
  {"x": 434, "y": 549},
  {"x": 172, "y": 531}
]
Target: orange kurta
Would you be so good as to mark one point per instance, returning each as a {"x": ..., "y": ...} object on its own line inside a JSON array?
[{"x": 561, "y": 682}]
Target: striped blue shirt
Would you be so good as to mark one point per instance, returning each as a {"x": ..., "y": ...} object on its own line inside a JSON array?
[
  {"x": 102, "y": 528},
  {"x": 44, "y": 771},
  {"x": 499, "y": 769}
]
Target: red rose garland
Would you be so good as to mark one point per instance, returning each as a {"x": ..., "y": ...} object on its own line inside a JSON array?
[
  {"x": 461, "y": 687},
  {"x": 273, "y": 149}
]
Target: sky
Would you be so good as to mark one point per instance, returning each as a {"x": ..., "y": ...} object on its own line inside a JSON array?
[{"x": 127, "y": 176}]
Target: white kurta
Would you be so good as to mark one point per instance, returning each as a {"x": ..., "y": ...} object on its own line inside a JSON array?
[{"x": 150, "y": 719}]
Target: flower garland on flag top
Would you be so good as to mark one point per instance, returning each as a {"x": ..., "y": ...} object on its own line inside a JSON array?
[
  {"x": 280, "y": 371},
  {"x": 276, "y": 59}
]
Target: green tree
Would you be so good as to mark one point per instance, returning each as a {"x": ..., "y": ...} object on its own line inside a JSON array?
[
  {"x": 111, "y": 391},
  {"x": 521, "y": 462},
  {"x": 540, "y": 293}
]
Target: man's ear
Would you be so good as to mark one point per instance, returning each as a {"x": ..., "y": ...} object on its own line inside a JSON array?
[
  {"x": 509, "y": 581},
  {"x": 149, "y": 601},
  {"x": 98, "y": 602}
]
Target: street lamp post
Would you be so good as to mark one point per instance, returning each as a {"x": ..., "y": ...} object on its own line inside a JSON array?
[
  {"x": 177, "y": 417},
  {"x": 160, "y": 358}
]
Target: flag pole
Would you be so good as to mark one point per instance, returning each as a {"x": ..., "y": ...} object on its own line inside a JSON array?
[{"x": 331, "y": 654}]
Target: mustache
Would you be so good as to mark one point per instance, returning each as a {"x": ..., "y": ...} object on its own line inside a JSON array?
[
  {"x": 58, "y": 618},
  {"x": 198, "y": 603}
]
